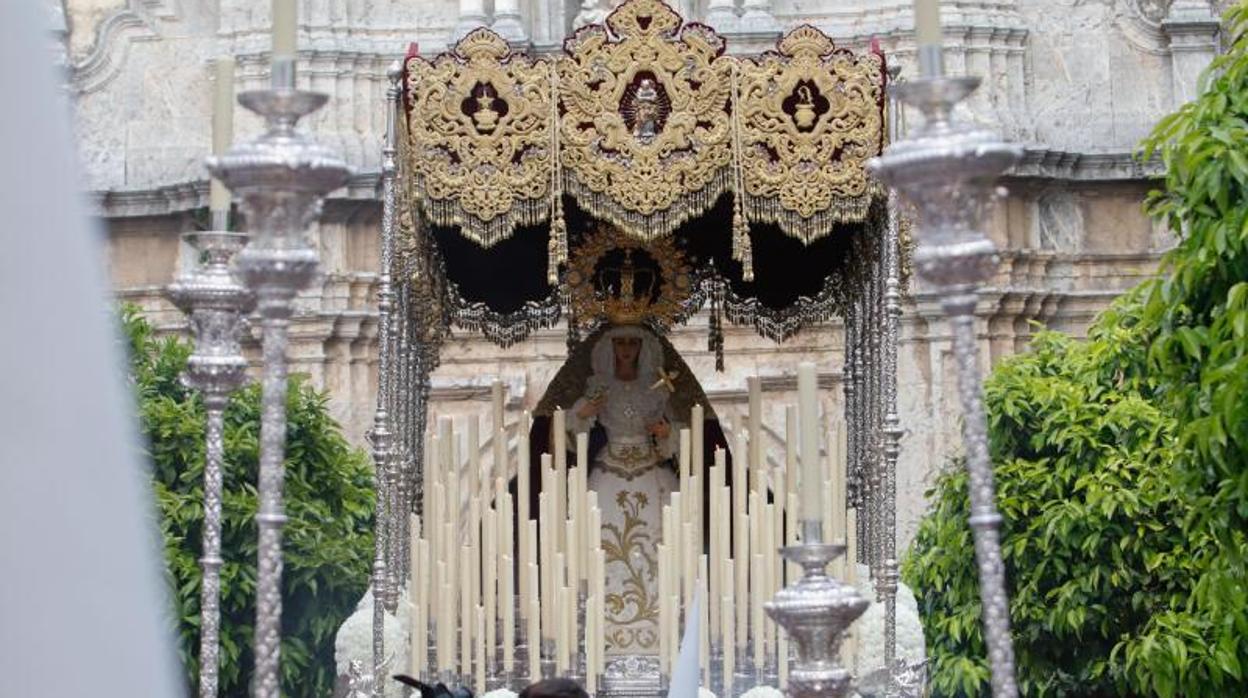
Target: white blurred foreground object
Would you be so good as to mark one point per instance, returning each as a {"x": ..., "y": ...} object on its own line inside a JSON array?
[
  {"x": 84, "y": 609},
  {"x": 686, "y": 673}
]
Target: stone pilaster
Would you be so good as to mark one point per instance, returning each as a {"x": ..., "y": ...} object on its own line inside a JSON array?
[
  {"x": 1192, "y": 29},
  {"x": 508, "y": 22},
  {"x": 471, "y": 16}
]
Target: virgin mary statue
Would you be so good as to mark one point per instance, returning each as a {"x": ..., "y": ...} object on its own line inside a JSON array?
[{"x": 629, "y": 397}]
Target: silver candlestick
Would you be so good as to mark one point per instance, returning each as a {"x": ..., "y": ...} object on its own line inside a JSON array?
[
  {"x": 947, "y": 170},
  {"x": 215, "y": 304},
  {"x": 281, "y": 179},
  {"x": 815, "y": 611}
]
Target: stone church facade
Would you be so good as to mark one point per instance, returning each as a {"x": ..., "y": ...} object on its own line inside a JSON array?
[{"x": 1079, "y": 82}]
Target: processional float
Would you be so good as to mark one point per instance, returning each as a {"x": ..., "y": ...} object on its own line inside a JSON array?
[
  {"x": 646, "y": 127},
  {"x": 516, "y": 189}
]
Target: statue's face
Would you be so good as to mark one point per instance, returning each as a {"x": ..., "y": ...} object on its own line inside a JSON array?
[{"x": 627, "y": 349}]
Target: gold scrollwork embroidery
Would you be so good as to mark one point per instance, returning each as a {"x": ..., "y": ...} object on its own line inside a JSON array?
[
  {"x": 479, "y": 123},
  {"x": 632, "y": 546},
  {"x": 645, "y": 132},
  {"x": 809, "y": 118}
]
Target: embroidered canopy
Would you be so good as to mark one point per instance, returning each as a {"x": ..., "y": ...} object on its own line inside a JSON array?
[{"x": 645, "y": 124}]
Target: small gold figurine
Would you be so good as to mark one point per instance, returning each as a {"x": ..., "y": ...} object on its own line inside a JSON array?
[
  {"x": 645, "y": 110},
  {"x": 804, "y": 110},
  {"x": 485, "y": 116}
]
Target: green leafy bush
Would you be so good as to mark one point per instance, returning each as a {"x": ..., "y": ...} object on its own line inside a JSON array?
[
  {"x": 327, "y": 540},
  {"x": 1122, "y": 461}
]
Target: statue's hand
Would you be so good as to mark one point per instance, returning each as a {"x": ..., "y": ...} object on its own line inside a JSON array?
[
  {"x": 592, "y": 407},
  {"x": 661, "y": 429}
]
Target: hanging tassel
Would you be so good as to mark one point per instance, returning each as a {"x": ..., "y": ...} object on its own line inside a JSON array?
[
  {"x": 715, "y": 338},
  {"x": 557, "y": 248},
  {"x": 742, "y": 247}
]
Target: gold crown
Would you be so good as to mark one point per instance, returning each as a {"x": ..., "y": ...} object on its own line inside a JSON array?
[
  {"x": 632, "y": 300},
  {"x": 627, "y": 294}
]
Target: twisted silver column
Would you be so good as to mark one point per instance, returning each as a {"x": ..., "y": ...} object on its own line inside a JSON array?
[
  {"x": 947, "y": 170},
  {"x": 281, "y": 179},
  {"x": 385, "y": 587},
  {"x": 887, "y": 583},
  {"x": 215, "y": 303}
]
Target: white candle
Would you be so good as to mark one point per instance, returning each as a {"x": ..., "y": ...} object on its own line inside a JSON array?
[
  {"x": 531, "y": 598},
  {"x": 534, "y": 630},
  {"x": 546, "y": 561},
  {"x": 741, "y": 565},
  {"x": 222, "y": 127},
  {"x": 697, "y": 417},
  {"x": 756, "y": 608},
  {"x": 509, "y": 615},
  {"x": 496, "y": 402},
  {"x": 808, "y": 415},
  {"x": 574, "y": 557},
  {"x": 446, "y": 624},
  {"x": 522, "y": 504},
  {"x": 927, "y": 21},
  {"x": 729, "y": 642},
  {"x": 561, "y": 633},
  {"x": 478, "y": 634},
  {"x": 690, "y": 559},
  {"x": 794, "y": 571},
  {"x": 560, "y": 447},
  {"x": 474, "y": 457},
  {"x": 673, "y": 629},
  {"x": 489, "y": 561},
  {"x": 790, "y": 448},
  {"x": 591, "y": 657},
  {"x": 717, "y": 552},
  {"x": 465, "y": 613},
  {"x": 600, "y": 589},
  {"x": 755, "y": 423},
  {"x": 285, "y": 23},
  {"x": 664, "y": 572},
  {"x": 765, "y": 572},
  {"x": 704, "y": 632}
]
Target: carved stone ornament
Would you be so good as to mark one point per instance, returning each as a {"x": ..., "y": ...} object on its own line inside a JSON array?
[
  {"x": 479, "y": 123},
  {"x": 810, "y": 117},
  {"x": 645, "y": 131}
]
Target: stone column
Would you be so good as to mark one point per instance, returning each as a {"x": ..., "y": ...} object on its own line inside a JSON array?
[
  {"x": 507, "y": 21},
  {"x": 756, "y": 18},
  {"x": 471, "y": 16},
  {"x": 1192, "y": 29},
  {"x": 721, "y": 15}
]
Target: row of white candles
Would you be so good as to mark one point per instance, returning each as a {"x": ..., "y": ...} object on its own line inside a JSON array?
[
  {"x": 739, "y": 568},
  {"x": 462, "y": 575}
]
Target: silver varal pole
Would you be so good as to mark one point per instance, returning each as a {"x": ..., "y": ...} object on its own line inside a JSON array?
[
  {"x": 947, "y": 170},
  {"x": 281, "y": 179},
  {"x": 887, "y": 583},
  {"x": 215, "y": 303},
  {"x": 381, "y": 437}
]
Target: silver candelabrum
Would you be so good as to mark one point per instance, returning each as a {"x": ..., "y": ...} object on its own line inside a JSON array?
[
  {"x": 215, "y": 303},
  {"x": 816, "y": 611},
  {"x": 947, "y": 170},
  {"x": 281, "y": 179}
]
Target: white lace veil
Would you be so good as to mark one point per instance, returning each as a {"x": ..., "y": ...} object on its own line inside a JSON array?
[{"x": 649, "y": 360}]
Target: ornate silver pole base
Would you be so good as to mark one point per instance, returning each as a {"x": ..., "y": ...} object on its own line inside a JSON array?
[
  {"x": 947, "y": 170},
  {"x": 281, "y": 178},
  {"x": 215, "y": 304},
  {"x": 815, "y": 611}
]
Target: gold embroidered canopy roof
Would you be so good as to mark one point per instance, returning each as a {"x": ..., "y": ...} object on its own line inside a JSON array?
[{"x": 645, "y": 122}]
